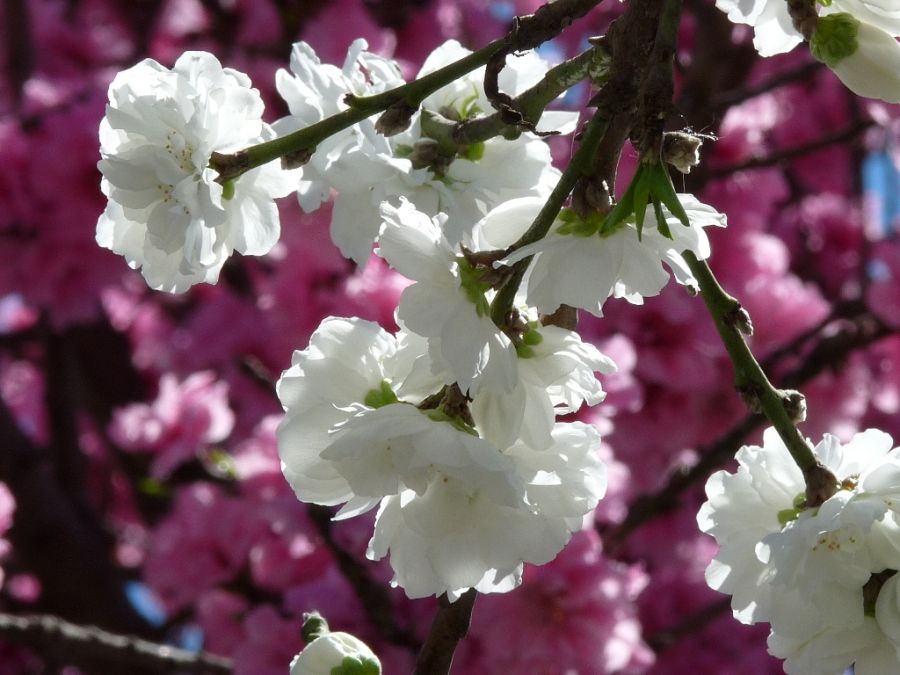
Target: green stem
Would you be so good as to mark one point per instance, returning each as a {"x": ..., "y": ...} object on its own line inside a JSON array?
[
  {"x": 304, "y": 141},
  {"x": 581, "y": 165},
  {"x": 532, "y": 102},
  {"x": 749, "y": 376}
]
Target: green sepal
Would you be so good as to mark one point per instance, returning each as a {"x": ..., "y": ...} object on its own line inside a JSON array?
[
  {"x": 661, "y": 223},
  {"x": 403, "y": 150},
  {"x": 473, "y": 287},
  {"x": 524, "y": 351},
  {"x": 438, "y": 415},
  {"x": 357, "y": 665},
  {"x": 228, "y": 189},
  {"x": 576, "y": 226},
  {"x": 472, "y": 152},
  {"x": 663, "y": 191},
  {"x": 641, "y": 182},
  {"x": 834, "y": 38},
  {"x": 787, "y": 515},
  {"x": 380, "y": 397},
  {"x": 532, "y": 337},
  {"x": 621, "y": 211}
]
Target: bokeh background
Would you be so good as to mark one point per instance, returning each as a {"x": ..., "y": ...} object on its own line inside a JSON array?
[{"x": 140, "y": 489}]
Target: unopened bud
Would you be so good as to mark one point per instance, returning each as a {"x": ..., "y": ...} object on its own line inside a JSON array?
[
  {"x": 314, "y": 625},
  {"x": 740, "y": 319},
  {"x": 395, "y": 119},
  {"x": 681, "y": 149},
  {"x": 820, "y": 486},
  {"x": 296, "y": 159},
  {"x": 794, "y": 405}
]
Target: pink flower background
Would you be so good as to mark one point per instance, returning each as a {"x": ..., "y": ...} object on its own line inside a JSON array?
[{"x": 140, "y": 487}]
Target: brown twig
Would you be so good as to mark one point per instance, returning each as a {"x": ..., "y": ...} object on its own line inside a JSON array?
[
  {"x": 449, "y": 627},
  {"x": 103, "y": 651}
]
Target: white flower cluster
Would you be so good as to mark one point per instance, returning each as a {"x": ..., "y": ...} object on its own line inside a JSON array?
[
  {"x": 855, "y": 38},
  {"x": 448, "y": 427},
  {"x": 457, "y": 508},
  {"x": 366, "y": 169},
  {"x": 167, "y": 214},
  {"x": 824, "y": 578}
]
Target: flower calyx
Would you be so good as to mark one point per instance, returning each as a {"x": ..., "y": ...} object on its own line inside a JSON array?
[{"x": 650, "y": 185}]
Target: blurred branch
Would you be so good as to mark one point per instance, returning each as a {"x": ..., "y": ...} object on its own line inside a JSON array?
[
  {"x": 61, "y": 540},
  {"x": 450, "y": 625},
  {"x": 858, "y": 332},
  {"x": 96, "y": 648},
  {"x": 663, "y": 639},
  {"x": 841, "y": 136},
  {"x": 732, "y": 97}
]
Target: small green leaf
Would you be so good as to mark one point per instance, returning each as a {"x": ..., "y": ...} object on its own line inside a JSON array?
[
  {"x": 663, "y": 190},
  {"x": 473, "y": 152},
  {"x": 620, "y": 212},
  {"x": 641, "y": 182},
  {"x": 661, "y": 223},
  {"x": 378, "y": 398},
  {"x": 228, "y": 189},
  {"x": 473, "y": 287}
]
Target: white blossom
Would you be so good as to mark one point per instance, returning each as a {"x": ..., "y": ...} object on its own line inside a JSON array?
[
  {"x": 456, "y": 510},
  {"x": 354, "y": 159},
  {"x": 865, "y": 57},
  {"x": 166, "y": 212},
  {"x": 347, "y": 361},
  {"x": 446, "y": 304},
  {"x": 804, "y": 569},
  {"x": 774, "y": 31},
  {"x": 329, "y": 653},
  {"x": 458, "y": 535},
  {"x": 555, "y": 376},
  {"x": 583, "y": 271},
  {"x": 366, "y": 169}
]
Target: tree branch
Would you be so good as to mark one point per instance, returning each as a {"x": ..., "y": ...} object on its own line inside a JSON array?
[
  {"x": 405, "y": 99},
  {"x": 449, "y": 627},
  {"x": 841, "y": 136},
  {"x": 859, "y": 332},
  {"x": 93, "y": 647}
]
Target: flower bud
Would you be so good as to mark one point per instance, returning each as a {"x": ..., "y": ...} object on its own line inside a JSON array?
[{"x": 336, "y": 654}]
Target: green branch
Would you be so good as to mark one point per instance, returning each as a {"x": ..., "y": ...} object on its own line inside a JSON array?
[
  {"x": 580, "y": 165},
  {"x": 750, "y": 378},
  {"x": 304, "y": 141},
  {"x": 532, "y": 102}
]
